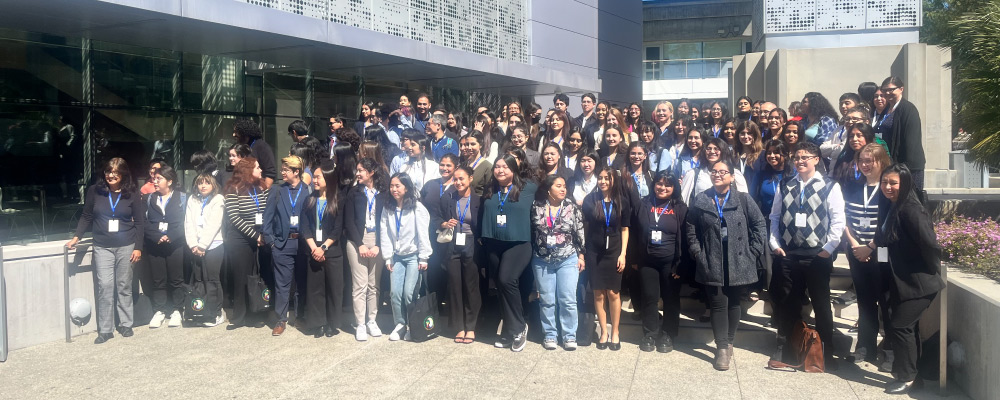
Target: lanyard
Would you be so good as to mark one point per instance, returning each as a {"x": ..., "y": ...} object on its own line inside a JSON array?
[
  {"x": 609, "y": 158},
  {"x": 694, "y": 163},
  {"x": 504, "y": 199},
  {"x": 559, "y": 142},
  {"x": 857, "y": 173},
  {"x": 115, "y": 204},
  {"x": 256, "y": 198},
  {"x": 370, "y": 199},
  {"x": 715, "y": 131},
  {"x": 664, "y": 131},
  {"x": 442, "y": 188},
  {"x": 663, "y": 210},
  {"x": 204, "y": 202},
  {"x": 552, "y": 222},
  {"x": 743, "y": 164},
  {"x": 567, "y": 163},
  {"x": 162, "y": 202},
  {"x": 719, "y": 204},
  {"x": 458, "y": 206},
  {"x": 775, "y": 182},
  {"x": 802, "y": 192},
  {"x": 399, "y": 218},
  {"x": 437, "y": 145},
  {"x": 868, "y": 198},
  {"x": 840, "y": 138},
  {"x": 607, "y": 206},
  {"x": 320, "y": 207},
  {"x": 296, "y": 198},
  {"x": 477, "y": 162}
]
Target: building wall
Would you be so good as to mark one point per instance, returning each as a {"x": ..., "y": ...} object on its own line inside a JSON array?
[{"x": 783, "y": 76}]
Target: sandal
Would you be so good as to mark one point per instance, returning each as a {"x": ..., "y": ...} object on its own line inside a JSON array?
[
  {"x": 459, "y": 339},
  {"x": 468, "y": 340}
]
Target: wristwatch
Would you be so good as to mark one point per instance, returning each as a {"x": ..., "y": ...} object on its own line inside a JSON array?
[{"x": 323, "y": 246}]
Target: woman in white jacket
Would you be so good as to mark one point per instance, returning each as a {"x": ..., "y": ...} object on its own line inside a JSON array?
[{"x": 203, "y": 233}]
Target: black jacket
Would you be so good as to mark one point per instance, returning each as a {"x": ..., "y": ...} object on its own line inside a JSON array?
[
  {"x": 905, "y": 142},
  {"x": 333, "y": 225},
  {"x": 447, "y": 210},
  {"x": 914, "y": 254},
  {"x": 174, "y": 217},
  {"x": 355, "y": 208},
  {"x": 747, "y": 239}
]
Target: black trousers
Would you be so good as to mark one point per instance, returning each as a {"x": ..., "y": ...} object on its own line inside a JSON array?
[
  {"x": 724, "y": 303},
  {"x": 798, "y": 276},
  {"x": 208, "y": 269},
  {"x": 903, "y": 336},
  {"x": 324, "y": 292},
  {"x": 507, "y": 262},
  {"x": 655, "y": 283},
  {"x": 464, "y": 299},
  {"x": 166, "y": 269},
  {"x": 241, "y": 257},
  {"x": 871, "y": 283}
]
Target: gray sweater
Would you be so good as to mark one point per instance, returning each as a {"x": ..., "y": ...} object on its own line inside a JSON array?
[{"x": 747, "y": 238}]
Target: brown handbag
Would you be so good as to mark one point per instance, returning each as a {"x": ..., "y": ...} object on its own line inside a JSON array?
[{"x": 805, "y": 347}]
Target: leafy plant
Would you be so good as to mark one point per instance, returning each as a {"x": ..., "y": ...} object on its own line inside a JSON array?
[{"x": 971, "y": 244}]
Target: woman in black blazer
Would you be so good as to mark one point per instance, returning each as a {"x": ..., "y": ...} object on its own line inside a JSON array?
[
  {"x": 362, "y": 226},
  {"x": 323, "y": 228},
  {"x": 458, "y": 210},
  {"x": 906, "y": 239}
]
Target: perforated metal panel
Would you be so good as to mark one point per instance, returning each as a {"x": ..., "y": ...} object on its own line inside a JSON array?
[
  {"x": 512, "y": 38},
  {"x": 356, "y": 13},
  {"x": 781, "y": 16},
  {"x": 309, "y": 8},
  {"x": 894, "y": 13},
  {"x": 789, "y": 15},
  {"x": 391, "y": 17},
  {"x": 840, "y": 15}
]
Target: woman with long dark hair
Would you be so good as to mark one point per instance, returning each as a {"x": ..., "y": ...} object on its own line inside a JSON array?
[
  {"x": 367, "y": 117},
  {"x": 699, "y": 179},
  {"x": 406, "y": 248},
  {"x": 718, "y": 114},
  {"x": 660, "y": 232},
  {"x": 390, "y": 150},
  {"x": 471, "y": 149},
  {"x": 673, "y": 148},
  {"x": 820, "y": 118},
  {"x": 308, "y": 156},
  {"x": 585, "y": 178},
  {"x": 631, "y": 123},
  {"x": 650, "y": 142},
  {"x": 506, "y": 236},
  {"x": 744, "y": 109},
  {"x": 691, "y": 156},
  {"x": 845, "y": 168},
  {"x": 607, "y": 216},
  {"x": 614, "y": 152},
  {"x": 575, "y": 145},
  {"x": 416, "y": 160},
  {"x": 458, "y": 211},
  {"x": 117, "y": 225},
  {"x": 246, "y": 199},
  {"x": 362, "y": 228},
  {"x": 776, "y": 120},
  {"x": 773, "y": 169},
  {"x": 748, "y": 149},
  {"x": 907, "y": 237},
  {"x": 551, "y": 163},
  {"x": 323, "y": 228},
  {"x": 560, "y": 127},
  {"x": 164, "y": 246}
]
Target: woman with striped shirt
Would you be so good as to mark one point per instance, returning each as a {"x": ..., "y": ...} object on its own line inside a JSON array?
[
  {"x": 246, "y": 198},
  {"x": 863, "y": 201}
]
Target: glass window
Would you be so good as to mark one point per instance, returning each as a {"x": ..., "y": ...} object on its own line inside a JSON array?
[
  {"x": 682, "y": 51},
  {"x": 726, "y": 48},
  {"x": 137, "y": 78},
  {"x": 653, "y": 53}
]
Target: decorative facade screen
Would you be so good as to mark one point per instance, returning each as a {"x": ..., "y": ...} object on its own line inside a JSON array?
[
  {"x": 782, "y": 16},
  {"x": 496, "y": 28}
]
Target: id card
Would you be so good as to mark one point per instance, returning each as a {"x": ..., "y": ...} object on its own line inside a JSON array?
[
  {"x": 113, "y": 225},
  {"x": 883, "y": 254},
  {"x": 294, "y": 220},
  {"x": 258, "y": 219},
  {"x": 800, "y": 220},
  {"x": 459, "y": 238},
  {"x": 550, "y": 240},
  {"x": 200, "y": 221},
  {"x": 607, "y": 242},
  {"x": 725, "y": 233},
  {"x": 319, "y": 235},
  {"x": 164, "y": 226},
  {"x": 865, "y": 221},
  {"x": 370, "y": 223},
  {"x": 656, "y": 237},
  {"x": 501, "y": 221}
]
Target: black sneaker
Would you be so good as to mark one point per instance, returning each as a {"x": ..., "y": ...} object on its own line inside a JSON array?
[
  {"x": 520, "y": 340},
  {"x": 647, "y": 344},
  {"x": 125, "y": 331},
  {"x": 103, "y": 337},
  {"x": 665, "y": 344}
]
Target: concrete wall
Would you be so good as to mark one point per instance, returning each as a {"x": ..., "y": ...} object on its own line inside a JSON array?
[{"x": 783, "y": 76}]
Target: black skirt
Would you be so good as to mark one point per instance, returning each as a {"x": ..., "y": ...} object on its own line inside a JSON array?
[{"x": 602, "y": 264}]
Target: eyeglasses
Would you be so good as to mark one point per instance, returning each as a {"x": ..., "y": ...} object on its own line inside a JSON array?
[
  {"x": 889, "y": 89},
  {"x": 803, "y": 158},
  {"x": 854, "y": 119},
  {"x": 719, "y": 172},
  {"x": 866, "y": 161}
]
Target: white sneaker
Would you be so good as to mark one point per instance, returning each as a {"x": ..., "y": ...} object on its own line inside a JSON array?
[
  {"x": 394, "y": 336},
  {"x": 360, "y": 334},
  {"x": 373, "y": 329},
  {"x": 218, "y": 320},
  {"x": 175, "y": 319},
  {"x": 157, "y": 320}
]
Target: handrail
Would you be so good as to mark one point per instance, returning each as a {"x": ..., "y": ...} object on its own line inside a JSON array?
[
  {"x": 691, "y": 59},
  {"x": 943, "y": 336},
  {"x": 691, "y": 68},
  {"x": 3, "y": 311},
  {"x": 68, "y": 318}
]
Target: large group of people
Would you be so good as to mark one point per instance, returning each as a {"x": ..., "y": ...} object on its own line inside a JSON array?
[{"x": 543, "y": 210}]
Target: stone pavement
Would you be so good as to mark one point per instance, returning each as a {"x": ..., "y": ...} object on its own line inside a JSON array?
[{"x": 249, "y": 363}]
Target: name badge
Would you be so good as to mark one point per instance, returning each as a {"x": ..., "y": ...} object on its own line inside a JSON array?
[
  {"x": 656, "y": 237},
  {"x": 800, "y": 220},
  {"x": 459, "y": 238},
  {"x": 200, "y": 221},
  {"x": 865, "y": 222},
  {"x": 725, "y": 233},
  {"x": 319, "y": 235},
  {"x": 501, "y": 221},
  {"x": 607, "y": 242},
  {"x": 258, "y": 219},
  {"x": 294, "y": 220},
  {"x": 370, "y": 223},
  {"x": 163, "y": 226},
  {"x": 550, "y": 240},
  {"x": 883, "y": 254},
  {"x": 113, "y": 225}
]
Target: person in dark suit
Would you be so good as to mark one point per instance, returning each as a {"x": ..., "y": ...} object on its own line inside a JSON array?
[
  {"x": 458, "y": 209},
  {"x": 906, "y": 239},
  {"x": 587, "y": 122},
  {"x": 285, "y": 205},
  {"x": 904, "y": 141},
  {"x": 323, "y": 227}
]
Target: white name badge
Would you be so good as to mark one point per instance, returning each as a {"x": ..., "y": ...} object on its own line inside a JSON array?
[
  {"x": 112, "y": 225},
  {"x": 883, "y": 254},
  {"x": 607, "y": 242},
  {"x": 501, "y": 221},
  {"x": 258, "y": 219},
  {"x": 459, "y": 238},
  {"x": 319, "y": 235},
  {"x": 164, "y": 226},
  {"x": 200, "y": 221},
  {"x": 725, "y": 233},
  {"x": 370, "y": 223},
  {"x": 656, "y": 237},
  {"x": 800, "y": 220},
  {"x": 865, "y": 221},
  {"x": 550, "y": 240},
  {"x": 294, "y": 220}
]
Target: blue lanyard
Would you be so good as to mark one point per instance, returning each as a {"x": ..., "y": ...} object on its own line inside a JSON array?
[
  {"x": 567, "y": 163},
  {"x": 437, "y": 145},
  {"x": 477, "y": 162},
  {"x": 716, "y": 131},
  {"x": 252, "y": 142},
  {"x": 664, "y": 131},
  {"x": 296, "y": 198},
  {"x": 256, "y": 198},
  {"x": 559, "y": 142},
  {"x": 663, "y": 210},
  {"x": 504, "y": 199},
  {"x": 204, "y": 203},
  {"x": 802, "y": 193},
  {"x": 458, "y": 206},
  {"x": 115, "y": 204},
  {"x": 775, "y": 182},
  {"x": 694, "y": 163},
  {"x": 399, "y": 219},
  {"x": 842, "y": 131},
  {"x": 607, "y": 207},
  {"x": 320, "y": 206},
  {"x": 370, "y": 199},
  {"x": 635, "y": 177},
  {"x": 719, "y": 205},
  {"x": 552, "y": 222},
  {"x": 441, "y": 190},
  {"x": 884, "y": 116},
  {"x": 857, "y": 173}
]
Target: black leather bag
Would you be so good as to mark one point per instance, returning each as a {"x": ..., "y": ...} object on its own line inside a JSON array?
[
  {"x": 257, "y": 291},
  {"x": 424, "y": 322}
]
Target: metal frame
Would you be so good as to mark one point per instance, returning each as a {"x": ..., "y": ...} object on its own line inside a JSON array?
[
  {"x": 3, "y": 311},
  {"x": 68, "y": 319}
]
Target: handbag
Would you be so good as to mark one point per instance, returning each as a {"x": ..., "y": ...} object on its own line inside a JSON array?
[
  {"x": 422, "y": 316},
  {"x": 805, "y": 347},
  {"x": 257, "y": 291},
  {"x": 195, "y": 303},
  {"x": 445, "y": 235}
]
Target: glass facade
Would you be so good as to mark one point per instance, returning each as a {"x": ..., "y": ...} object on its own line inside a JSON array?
[{"x": 68, "y": 104}]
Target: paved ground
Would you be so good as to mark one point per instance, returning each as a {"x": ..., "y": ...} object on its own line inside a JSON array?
[{"x": 249, "y": 363}]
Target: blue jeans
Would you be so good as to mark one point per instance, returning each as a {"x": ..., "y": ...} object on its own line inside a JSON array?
[
  {"x": 403, "y": 291},
  {"x": 556, "y": 283}
]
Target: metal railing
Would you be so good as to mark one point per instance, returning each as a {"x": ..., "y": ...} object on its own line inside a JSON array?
[
  {"x": 695, "y": 68},
  {"x": 80, "y": 251},
  {"x": 3, "y": 311}
]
